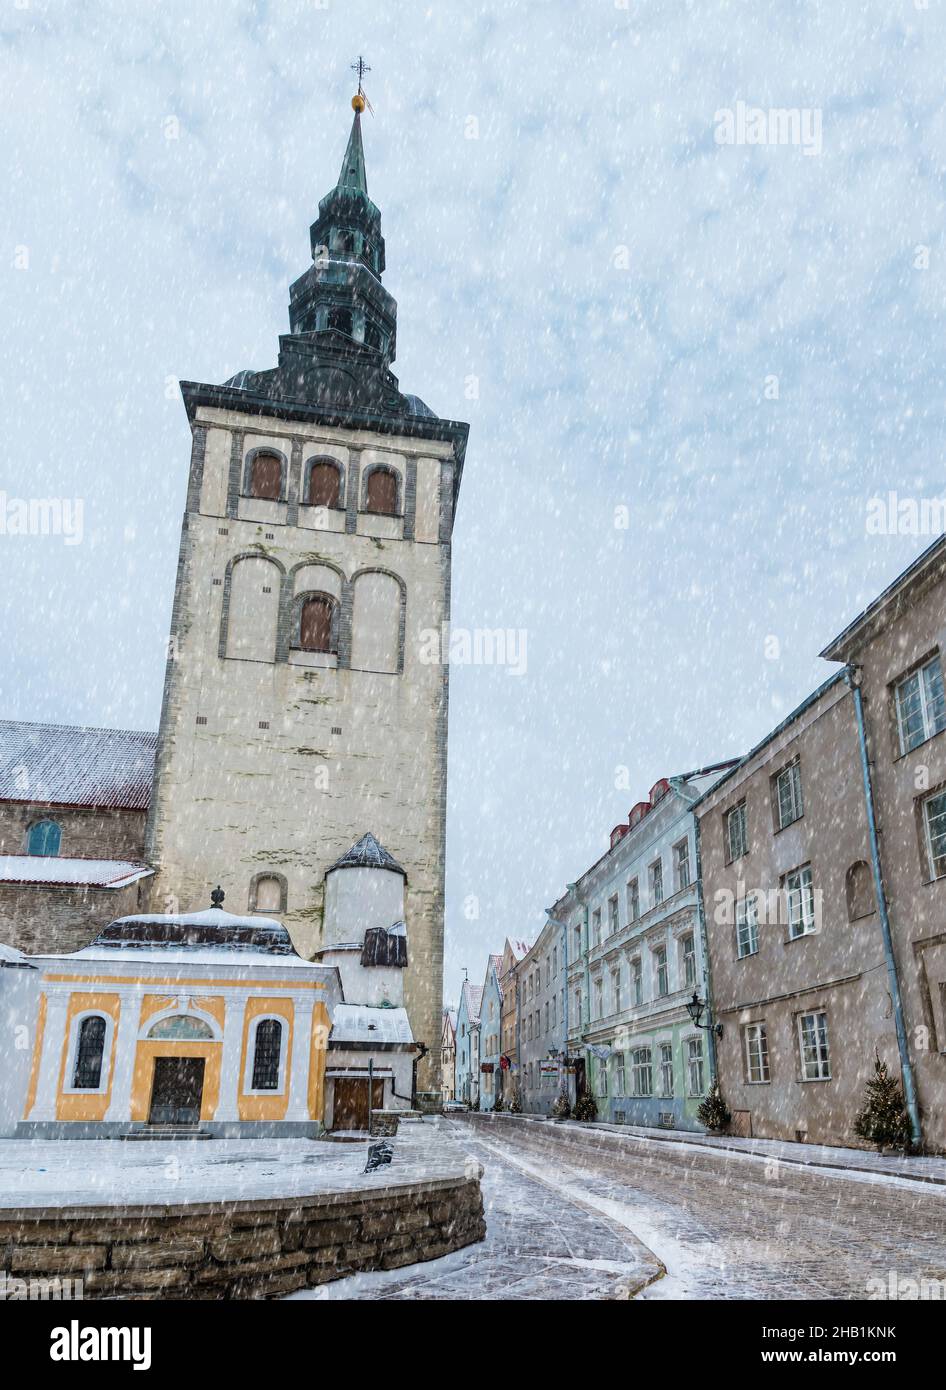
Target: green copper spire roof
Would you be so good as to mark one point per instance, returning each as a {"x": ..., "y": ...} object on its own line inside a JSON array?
[{"x": 353, "y": 165}]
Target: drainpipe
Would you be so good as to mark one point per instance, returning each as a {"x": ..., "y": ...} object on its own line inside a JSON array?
[
  {"x": 704, "y": 946},
  {"x": 893, "y": 980}
]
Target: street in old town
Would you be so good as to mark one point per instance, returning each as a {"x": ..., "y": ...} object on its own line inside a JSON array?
[{"x": 652, "y": 1218}]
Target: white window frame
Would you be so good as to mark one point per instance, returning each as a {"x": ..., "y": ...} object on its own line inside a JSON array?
[
  {"x": 280, "y": 1089},
  {"x": 928, "y": 729},
  {"x": 797, "y": 893},
  {"x": 616, "y": 990},
  {"x": 688, "y": 959},
  {"x": 633, "y": 899},
  {"x": 637, "y": 980},
  {"x": 681, "y": 865},
  {"x": 661, "y": 966},
  {"x": 747, "y": 926},
  {"x": 105, "y": 1075},
  {"x": 736, "y": 815},
  {"x": 665, "y": 1062},
  {"x": 822, "y": 1059},
  {"x": 796, "y": 799},
  {"x": 638, "y": 1070},
  {"x": 931, "y": 858},
  {"x": 655, "y": 876},
  {"x": 756, "y": 1044},
  {"x": 620, "y": 1078},
  {"x": 697, "y": 1058}
]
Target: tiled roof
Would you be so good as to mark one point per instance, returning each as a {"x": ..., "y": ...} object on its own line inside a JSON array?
[
  {"x": 49, "y": 869},
  {"x": 367, "y": 853},
  {"x": 74, "y": 766}
]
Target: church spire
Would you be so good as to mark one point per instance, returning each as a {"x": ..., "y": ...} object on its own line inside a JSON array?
[{"x": 353, "y": 165}]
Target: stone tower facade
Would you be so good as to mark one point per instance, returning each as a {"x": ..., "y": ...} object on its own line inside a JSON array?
[{"x": 301, "y": 709}]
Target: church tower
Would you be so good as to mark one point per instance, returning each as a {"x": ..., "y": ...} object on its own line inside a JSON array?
[{"x": 299, "y": 711}]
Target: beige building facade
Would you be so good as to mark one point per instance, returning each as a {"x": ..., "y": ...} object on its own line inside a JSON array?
[
  {"x": 898, "y": 647},
  {"x": 796, "y": 957}
]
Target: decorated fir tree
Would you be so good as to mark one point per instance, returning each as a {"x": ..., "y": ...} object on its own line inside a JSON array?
[
  {"x": 586, "y": 1107},
  {"x": 561, "y": 1106},
  {"x": 498, "y": 1103},
  {"x": 883, "y": 1120},
  {"x": 515, "y": 1105},
  {"x": 713, "y": 1111}
]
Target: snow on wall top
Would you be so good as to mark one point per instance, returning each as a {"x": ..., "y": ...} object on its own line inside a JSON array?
[
  {"x": 75, "y": 766},
  {"x": 86, "y": 873},
  {"x": 361, "y": 1023}
]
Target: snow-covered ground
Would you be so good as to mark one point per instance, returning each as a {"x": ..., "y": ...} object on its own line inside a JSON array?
[{"x": 105, "y": 1172}]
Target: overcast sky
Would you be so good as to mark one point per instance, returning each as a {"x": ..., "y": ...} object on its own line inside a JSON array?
[{"x": 624, "y": 288}]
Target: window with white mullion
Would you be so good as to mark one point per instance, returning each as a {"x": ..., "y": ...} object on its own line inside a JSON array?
[
  {"x": 800, "y": 900},
  {"x": 757, "y": 1053},
  {"x": 921, "y": 705},
  {"x": 737, "y": 832},
  {"x": 935, "y": 814},
  {"x": 788, "y": 788},
  {"x": 813, "y": 1042},
  {"x": 747, "y": 926},
  {"x": 642, "y": 1072}
]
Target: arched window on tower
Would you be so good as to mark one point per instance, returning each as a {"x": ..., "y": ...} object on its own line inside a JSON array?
[
  {"x": 267, "y": 1055},
  {"x": 45, "y": 837},
  {"x": 373, "y": 337},
  {"x": 318, "y": 628},
  {"x": 340, "y": 320},
  {"x": 266, "y": 477},
  {"x": 90, "y": 1054},
  {"x": 324, "y": 484},
  {"x": 381, "y": 492}
]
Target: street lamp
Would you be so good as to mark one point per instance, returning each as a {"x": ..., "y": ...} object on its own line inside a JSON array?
[{"x": 695, "y": 1009}]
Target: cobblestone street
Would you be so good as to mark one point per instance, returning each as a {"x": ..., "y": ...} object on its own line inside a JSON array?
[{"x": 565, "y": 1218}]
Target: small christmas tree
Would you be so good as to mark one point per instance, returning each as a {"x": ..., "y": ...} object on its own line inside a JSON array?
[
  {"x": 561, "y": 1106},
  {"x": 883, "y": 1120},
  {"x": 586, "y": 1107},
  {"x": 498, "y": 1102},
  {"x": 515, "y": 1105},
  {"x": 713, "y": 1111}
]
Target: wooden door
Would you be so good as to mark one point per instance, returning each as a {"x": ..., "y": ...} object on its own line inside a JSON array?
[
  {"x": 176, "y": 1091},
  {"x": 350, "y": 1110}
]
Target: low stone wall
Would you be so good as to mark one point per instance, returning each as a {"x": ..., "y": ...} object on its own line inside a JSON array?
[{"x": 250, "y": 1249}]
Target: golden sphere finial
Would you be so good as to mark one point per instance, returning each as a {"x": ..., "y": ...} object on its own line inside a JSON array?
[{"x": 358, "y": 103}]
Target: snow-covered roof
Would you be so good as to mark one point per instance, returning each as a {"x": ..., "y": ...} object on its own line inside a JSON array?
[
  {"x": 70, "y": 765},
  {"x": 363, "y": 1024},
  {"x": 186, "y": 956},
  {"x": 207, "y": 931},
  {"x": 367, "y": 853},
  {"x": 474, "y": 1000},
  {"x": 10, "y": 956},
  {"x": 48, "y": 869}
]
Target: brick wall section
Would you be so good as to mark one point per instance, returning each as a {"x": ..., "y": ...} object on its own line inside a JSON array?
[
  {"x": 35, "y": 920},
  {"x": 258, "y": 1249}
]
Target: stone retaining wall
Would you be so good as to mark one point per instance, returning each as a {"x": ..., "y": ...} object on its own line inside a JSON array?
[{"x": 248, "y": 1249}]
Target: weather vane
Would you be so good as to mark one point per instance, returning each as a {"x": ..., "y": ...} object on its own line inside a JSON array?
[{"x": 359, "y": 101}]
